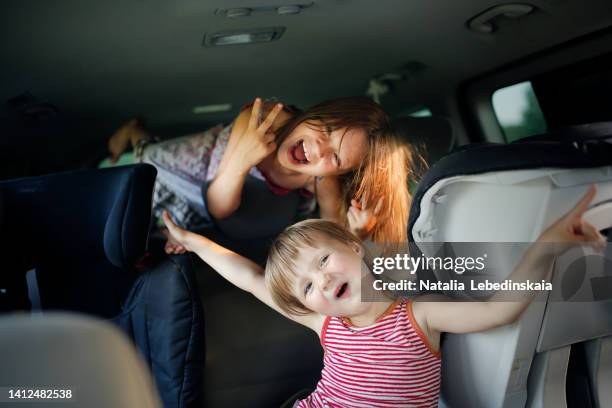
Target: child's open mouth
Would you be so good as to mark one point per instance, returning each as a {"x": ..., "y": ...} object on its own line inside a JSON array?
[
  {"x": 299, "y": 153},
  {"x": 342, "y": 291}
]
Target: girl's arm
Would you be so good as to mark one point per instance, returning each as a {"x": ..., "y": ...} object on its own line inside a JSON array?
[
  {"x": 250, "y": 142},
  {"x": 442, "y": 315},
  {"x": 328, "y": 193},
  {"x": 240, "y": 271},
  {"x": 359, "y": 219}
]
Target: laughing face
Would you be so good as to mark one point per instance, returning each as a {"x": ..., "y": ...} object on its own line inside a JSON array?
[
  {"x": 317, "y": 150},
  {"x": 329, "y": 278}
]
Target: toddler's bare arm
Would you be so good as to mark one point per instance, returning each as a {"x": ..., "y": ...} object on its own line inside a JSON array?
[
  {"x": 240, "y": 271},
  {"x": 465, "y": 317}
]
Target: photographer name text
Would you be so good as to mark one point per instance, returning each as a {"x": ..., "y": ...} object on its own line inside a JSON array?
[{"x": 455, "y": 285}]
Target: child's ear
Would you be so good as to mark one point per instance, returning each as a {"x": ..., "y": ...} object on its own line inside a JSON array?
[{"x": 358, "y": 249}]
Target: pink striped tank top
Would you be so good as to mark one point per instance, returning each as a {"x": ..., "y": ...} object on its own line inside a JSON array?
[{"x": 387, "y": 364}]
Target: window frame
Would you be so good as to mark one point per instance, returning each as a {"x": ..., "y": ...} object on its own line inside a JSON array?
[{"x": 475, "y": 95}]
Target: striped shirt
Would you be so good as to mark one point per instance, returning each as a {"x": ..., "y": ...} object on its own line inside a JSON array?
[{"x": 387, "y": 364}]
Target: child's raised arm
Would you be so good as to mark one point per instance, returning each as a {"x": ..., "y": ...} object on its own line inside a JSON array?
[
  {"x": 466, "y": 317},
  {"x": 249, "y": 144},
  {"x": 238, "y": 270}
]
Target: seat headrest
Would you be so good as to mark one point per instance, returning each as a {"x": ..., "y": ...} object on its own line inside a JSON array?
[
  {"x": 432, "y": 136},
  {"x": 90, "y": 358},
  {"x": 488, "y": 157},
  {"x": 80, "y": 214},
  {"x": 127, "y": 226}
]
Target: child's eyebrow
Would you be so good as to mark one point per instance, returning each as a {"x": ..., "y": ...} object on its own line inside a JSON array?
[{"x": 340, "y": 147}]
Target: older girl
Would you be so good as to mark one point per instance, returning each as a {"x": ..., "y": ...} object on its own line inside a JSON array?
[{"x": 341, "y": 153}]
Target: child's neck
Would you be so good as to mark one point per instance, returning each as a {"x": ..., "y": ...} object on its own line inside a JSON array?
[
  {"x": 280, "y": 175},
  {"x": 371, "y": 313}
]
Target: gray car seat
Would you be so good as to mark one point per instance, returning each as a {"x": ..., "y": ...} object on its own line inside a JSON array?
[
  {"x": 510, "y": 193},
  {"x": 87, "y": 361}
]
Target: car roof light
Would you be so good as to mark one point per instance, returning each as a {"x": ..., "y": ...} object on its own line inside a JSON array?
[
  {"x": 247, "y": 36},
  {"x": 222, "y": 107}
]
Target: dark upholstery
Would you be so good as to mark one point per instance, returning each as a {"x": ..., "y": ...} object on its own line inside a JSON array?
[
  {"x": 83, "y": 232},
  {"x": 163, "y": 315},
  {"x": 254, "y": 356},
  {"x": 257, "y": 199},
  {"x": 77, "y": 230}
]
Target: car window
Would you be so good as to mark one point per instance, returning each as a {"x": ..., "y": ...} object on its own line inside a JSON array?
[{"x": 518, "y": 111}]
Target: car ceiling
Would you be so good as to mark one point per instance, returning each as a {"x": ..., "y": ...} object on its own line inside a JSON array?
[{"x": 111, "y": 60}]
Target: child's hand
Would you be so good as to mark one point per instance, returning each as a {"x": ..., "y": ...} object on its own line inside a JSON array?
[
  {"x": 362, "y": 220},
  {"x": 172, "y": 246},
  {"x": 258, "y": 140},
  {"x": 573, "y": 229},
  {"x": 177, "y": 237}
]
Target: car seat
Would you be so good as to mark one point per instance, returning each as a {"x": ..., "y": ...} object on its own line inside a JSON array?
[
  {"x": 85, "y": 361},
  {"x": 510, "y": 193},
  {"x": 78, "y": 231},
  {"x": 80, "y": 234}
]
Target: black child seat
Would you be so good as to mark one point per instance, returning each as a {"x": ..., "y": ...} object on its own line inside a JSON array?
[
  {"x": 511, "y": 193},
  {"x": 76, "y": 236}
]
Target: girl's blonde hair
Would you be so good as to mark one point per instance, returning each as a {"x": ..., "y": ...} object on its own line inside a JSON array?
[
  {"x": 280, "y": 272},
  {"x": 385, "y": 170}
]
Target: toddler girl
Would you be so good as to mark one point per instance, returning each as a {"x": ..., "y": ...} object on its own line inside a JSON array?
[{"x": 376, "y": 353}]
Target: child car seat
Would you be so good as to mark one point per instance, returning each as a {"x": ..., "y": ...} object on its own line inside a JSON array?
[
  {"x": 81, "y": 232},
  {"x": 78, "y": 231},
  {"x": 510, "y": 193}
]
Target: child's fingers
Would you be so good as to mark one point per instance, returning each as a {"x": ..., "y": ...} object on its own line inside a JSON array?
[
  {"x": 271, "y": 146},
  {"x": 265, "y": 125},
  {"x": 172, "y": 227},
  {"x": 584, "y": 202},
  {"x": 270, "y": 139},
  {"x": 255, "y": 112},
  {"x": 364, "y": 200},
  {"x": 355, "y": 204},
  {"x": 174, "y": 249},
  {"x": 589, "y": 232},
  {"x": 351, "y": 218},
  {"x": 166, "y": 218},
  {"x": 356, "y": 212},
  {"x": 594, "y": 237},
  {"x": 379, "y": 205}
]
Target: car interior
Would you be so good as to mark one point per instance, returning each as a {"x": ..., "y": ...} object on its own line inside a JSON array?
[{"x": 509, "y": 105}]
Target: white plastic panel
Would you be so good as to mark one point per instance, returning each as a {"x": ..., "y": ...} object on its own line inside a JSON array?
[
  {"x": 547, "y": 379},
  {"x": 490, "y": 369},
  {"x": 599, "y": 362}
]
